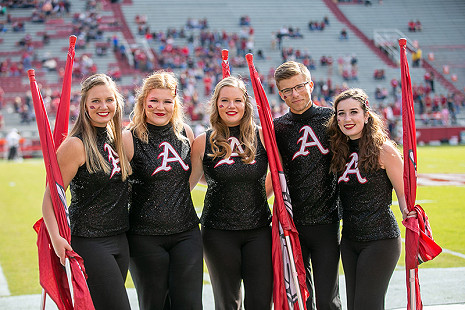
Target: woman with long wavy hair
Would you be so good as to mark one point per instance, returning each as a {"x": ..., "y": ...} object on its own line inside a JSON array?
[
  {"x": 93, "y": 163},
  {"x": 368, "y": 166},
  {"x": 164, "y": 235},
  {"x": 235, "y": 220}
]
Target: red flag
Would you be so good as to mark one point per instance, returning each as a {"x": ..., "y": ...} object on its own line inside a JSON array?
[
  {"x": 225, "y": 63},
  {"x": 53, "y": 277},
  {"x": 419, "y": 241},
  {"x": 50, "y": 269},
  {"x": 62, "y": 119},
  {"x": 288, "y": 265}
]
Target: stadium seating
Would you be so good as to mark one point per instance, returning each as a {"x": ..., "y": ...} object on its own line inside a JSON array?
[{"x": 441, "y": 35}]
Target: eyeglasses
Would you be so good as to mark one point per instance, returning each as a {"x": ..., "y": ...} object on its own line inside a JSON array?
[{"x": 299, "y": 88}]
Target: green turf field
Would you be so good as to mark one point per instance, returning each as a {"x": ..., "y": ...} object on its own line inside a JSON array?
[{"x": 22, "y": 185}]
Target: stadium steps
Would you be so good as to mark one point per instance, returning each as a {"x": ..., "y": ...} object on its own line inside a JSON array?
[{"x": 443, "y": 25}]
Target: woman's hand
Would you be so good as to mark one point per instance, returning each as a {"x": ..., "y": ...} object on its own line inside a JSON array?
[
  {"x": 60, "y": 245},
  {"x": 407, "y": 214}
]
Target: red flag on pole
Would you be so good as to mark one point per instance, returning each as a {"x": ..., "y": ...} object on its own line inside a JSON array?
[
  {"x": 225, "y": 63},
  {"x": 62, "y": 119},
  {"x": 419, "y": 243},
  {"x": 53, "y": 277},
  {"x": 289, "y": 289}
]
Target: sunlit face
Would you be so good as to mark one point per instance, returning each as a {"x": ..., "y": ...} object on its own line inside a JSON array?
[
  {"x": 351, "y": 118},
  {"x": 298, "y": 100},
  {"x": 231, "y": 105},
  {"x": 159, "y": 106},
  {"x": 100, "y": 105}
]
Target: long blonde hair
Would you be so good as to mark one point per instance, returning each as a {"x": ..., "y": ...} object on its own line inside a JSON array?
[
  {"x": 373, "y": 136},
  {"x": 157, "y": 80},
  {"x": 94, "y": 159},
  {"x": 220, "y": 131}
]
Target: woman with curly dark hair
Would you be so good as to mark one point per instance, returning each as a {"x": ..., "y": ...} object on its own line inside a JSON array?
[{"x": 368, "y": 166}]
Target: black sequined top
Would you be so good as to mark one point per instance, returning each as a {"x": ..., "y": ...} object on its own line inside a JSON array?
[
  {"x": 161, "y": 199},
  {"x": 304, "y": 146},
  {"x": 236, "y": 195},
  {"x": 365, "y": 200},
  {"x": 99, "y": 201}
]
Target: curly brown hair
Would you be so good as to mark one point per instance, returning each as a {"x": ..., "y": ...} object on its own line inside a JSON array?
[{"x": 373, "y": 136}]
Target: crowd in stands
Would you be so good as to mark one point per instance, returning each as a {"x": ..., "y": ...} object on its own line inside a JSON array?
[
  {"x": 194, "y": 51},
  {"x": 315, "y": 25},
  {"x": 343, "y": 35},
  {"x": 414, "y": 26}
]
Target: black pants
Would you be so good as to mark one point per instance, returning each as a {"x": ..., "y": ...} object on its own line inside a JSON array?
[
  {"x": 320, "y": 246},
  {"x": 12, "y": 152},
  {"x": 232, "y": 256},
  {"x": 170, "y": 264},
  {"x": 368, "y": 267},
  {"x": 106, "y": 260}
]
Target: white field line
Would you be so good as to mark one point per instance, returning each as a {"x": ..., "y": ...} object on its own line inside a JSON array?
[
  {"x": 4, "y": 291},
  {"x": 441, "y": 179},
  {"x": 458, "y": 254}
]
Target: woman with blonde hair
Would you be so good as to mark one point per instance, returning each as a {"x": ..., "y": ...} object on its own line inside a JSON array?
[
  {"x": 236, "y": 230},
  {"x": 93, "y": 163},
  {"x": 368, "y": 166},
  {"x": 164, "y": 236}
]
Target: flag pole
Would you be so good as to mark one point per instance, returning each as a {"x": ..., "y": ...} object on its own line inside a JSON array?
[
  {"x": 279, "y": 185},
  {"x": 294, "y": 270},
  {"x": 410, "y": 203},
  {"x": 70, "y": 282},
  {"x": 42, "y": 299},
  {"x": 413, "y": 303},
  {"x": 225, "y": 63},
  {"x": 41, "y": 114}
]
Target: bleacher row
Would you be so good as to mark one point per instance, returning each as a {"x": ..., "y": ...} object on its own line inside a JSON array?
[{"x": 118, "y": 21}]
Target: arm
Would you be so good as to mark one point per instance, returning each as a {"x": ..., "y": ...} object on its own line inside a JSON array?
[
  {"x": 391, "y": 160},
  {"x": 268, "y": 180},
  {"x": 198, "y": 149},
  {"x": 128, "y": 144},
  {"x": 71, "y": 156},
  {"x": 189, "y": 133},
  {"x": 269, "y": 185}
]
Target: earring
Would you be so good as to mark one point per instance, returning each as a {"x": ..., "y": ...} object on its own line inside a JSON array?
[{"x": 366, "y": 121}]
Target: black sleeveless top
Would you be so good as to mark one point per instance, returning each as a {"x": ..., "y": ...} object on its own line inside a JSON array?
[
  {"x": 161, "y": 199},
  {"x": 303, "y": 143},
  {"x": 236, "y": 195},
  {"x": 365, "y": 200},
  {"x": 99, "y": 201}
]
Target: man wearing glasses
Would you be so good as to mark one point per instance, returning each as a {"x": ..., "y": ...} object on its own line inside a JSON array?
[{"x": 304, "y": 147}]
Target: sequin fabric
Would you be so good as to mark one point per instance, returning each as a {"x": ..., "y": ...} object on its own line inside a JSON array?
[
  {"x": 161, "y": 199},
  {"x": 304, "y": 147},
  {"x": 236, "y": 196},
  {"x": 99, "y": 201},
  {"x": 365, "y": 203}
]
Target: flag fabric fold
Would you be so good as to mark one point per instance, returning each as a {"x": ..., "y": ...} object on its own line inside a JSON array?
[
  {"x": 62, "y": 119},
  {"x": 419, "y": 243},
  {"x": 225, "y": 63},
  {"x": 288, "y": 266},
  {"x": 52, "y": 275}
]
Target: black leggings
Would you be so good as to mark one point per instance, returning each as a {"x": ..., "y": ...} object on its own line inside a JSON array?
[
  {"x": 320, "y": 245},
  {"x": 368, "y": 267},
  {"x": 106, "y": 260},
  {"x": 232, "y": 256},
  {"x": 168, "y": 264}
]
